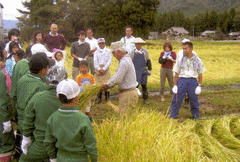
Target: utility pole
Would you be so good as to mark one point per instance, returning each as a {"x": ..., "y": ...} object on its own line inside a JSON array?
[{"x": 1, "y": 22}]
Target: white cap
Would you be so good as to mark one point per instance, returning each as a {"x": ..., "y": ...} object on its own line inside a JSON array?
[
  {"x": 101, "y": 40},
  {"x": 69, "y": 88},
  {"x": 138, "y": 40},
  {"x": 185, "y": 40},
  {"x": 40, "y": 48}
]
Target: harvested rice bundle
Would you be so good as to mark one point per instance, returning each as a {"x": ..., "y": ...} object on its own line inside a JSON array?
[
  {"x": 212, "y": 148},
  {"x": 221, "y": 131},
  {"x": 86, "y": 96},
  {"x": 235, "y": 126}
]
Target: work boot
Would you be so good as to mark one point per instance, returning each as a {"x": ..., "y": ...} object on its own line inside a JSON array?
[
  {"x": 146, "y": 102},
  {"x": 107, "y": 94},
  {"x": 99, "y": 97}
]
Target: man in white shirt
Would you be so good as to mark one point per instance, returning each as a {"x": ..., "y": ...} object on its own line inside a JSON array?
[
  {"x": 125, "y": 78},
  {"x": 188, "y": 78},
  {"x": 93, "y": 47},
  {"x": 179, "y": 56},
  {"x": 128, "y": 39},
  {"x": 102, "y": 62}
]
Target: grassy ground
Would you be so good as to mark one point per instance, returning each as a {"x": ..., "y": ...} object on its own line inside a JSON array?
[{"x": 213, "y": 104}]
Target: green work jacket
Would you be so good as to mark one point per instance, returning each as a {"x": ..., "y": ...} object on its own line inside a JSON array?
[
  {"x": 27, "y": 86},
  {"x": 70, "y": 131},
  {"x": 7, "y": 139},
  {"x": 38, "y": 109},
  {"x": 19, "y": 69}
]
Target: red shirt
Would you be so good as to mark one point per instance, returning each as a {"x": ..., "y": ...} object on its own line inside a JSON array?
[
  {"x": 169, "y": 63},
  {"x": 58, "y": 42}
]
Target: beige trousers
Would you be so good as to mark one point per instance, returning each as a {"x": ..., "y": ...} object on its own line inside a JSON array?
[
  {"x": 127, "y": 99},
  {"x": 166, "y": 73}
]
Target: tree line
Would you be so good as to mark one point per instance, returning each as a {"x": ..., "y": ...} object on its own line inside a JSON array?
[
  {"x": 210, "y": 20},
  {"x": 108, "y": 18}
]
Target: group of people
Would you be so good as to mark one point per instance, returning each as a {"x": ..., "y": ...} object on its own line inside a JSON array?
[{"x": 36, "y": 95}]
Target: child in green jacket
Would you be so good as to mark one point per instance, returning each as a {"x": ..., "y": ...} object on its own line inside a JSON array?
[{"x": 68, "y": 130}]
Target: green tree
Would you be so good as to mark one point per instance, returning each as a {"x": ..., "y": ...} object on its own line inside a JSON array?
[
  {"x": 236, "y": 22},
  {"x": 213, "y": 19}
]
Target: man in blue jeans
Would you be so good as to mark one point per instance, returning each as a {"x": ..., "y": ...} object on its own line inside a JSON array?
[{"x": 188, "y": 78}]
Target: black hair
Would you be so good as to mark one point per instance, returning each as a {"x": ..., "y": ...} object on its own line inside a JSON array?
[
  {"x": 89, "y": 29},
  {"x": 128, "y": 27},
  {"x": 83, "y": 62},
  {"x": 20, "y": 53},
  {"x": 81, "y": 33},
  {"x": 189, "y": 44},
  {"x": 2, "y": 47},
  {"x": 35, "y": 34},
  {"x": 11, "y": 45},
  {"x": 38, "y": 62},
  {"x": 57, "y": 53},
  {"x": 63, "y": 99},
  {"x": 13, "y": 31},
  {"x": 3, "y": 59}
]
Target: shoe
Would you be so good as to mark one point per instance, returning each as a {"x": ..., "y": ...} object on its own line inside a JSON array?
[
  {"x": 146, "y": 102},
  {"x": 163, "y": 99},
  {"x": 99, "y": 98}
]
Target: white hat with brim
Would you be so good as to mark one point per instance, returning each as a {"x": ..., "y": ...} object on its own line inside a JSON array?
[
  {"x": 69, "y": 88},
  {"x": 185, "y": 40},
  {"x": 40, "y": 48},
  {"x": 138, "y": 40},
  {"x": 116, "y": 45}
]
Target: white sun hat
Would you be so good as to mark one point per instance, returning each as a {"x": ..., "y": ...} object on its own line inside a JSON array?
[
  {"x": 69, "y": 88},
  {"x": 117, "y": 45},
  {"x": 138, "y": 40},
  {"x": 185, "y": 40},
  {"x": 40, "y": 48}
]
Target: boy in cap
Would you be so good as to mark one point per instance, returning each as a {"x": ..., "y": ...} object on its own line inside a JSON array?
[
  {"x": 125, "y": 78},
  {"x": 68, "y": 130},
  {"x": 142, "y": 64},
  {"x": 102, "y": 62},
  {"x": 31, "y": 83},
  {"x": 38, "y": 109}
]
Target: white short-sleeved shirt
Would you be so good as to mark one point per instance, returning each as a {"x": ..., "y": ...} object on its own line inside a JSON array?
[
  {"x": 187, "y": 71},
  {"x": 93, "y": 42},
  {"x": 180, "y": 54},
  {"x": 128, "y": 43}
]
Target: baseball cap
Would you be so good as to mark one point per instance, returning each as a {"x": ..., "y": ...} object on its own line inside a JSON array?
[
  {"x": 56, "y": 74},
  {"x": 40, "y": 48},
  {"x": 69, "y": 88},
  {"x": 185, "y": 40},
  {"x": 101, "y": 40}
]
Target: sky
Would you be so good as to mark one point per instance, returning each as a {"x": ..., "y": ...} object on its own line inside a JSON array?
[{"x": 10, "y": 11}]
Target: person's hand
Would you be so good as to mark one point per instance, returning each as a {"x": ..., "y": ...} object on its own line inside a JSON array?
[
  {"x": 198, "y": 90},
  {"x": 7, "y": 127},
  {"x": 26, "y": 143},
  {"x": 164, "y": 57},
  {"x": 149, "y": 72},
  {"x": 170, "y": 58},
  {"x": 53, "y": 160},
  {"x": 175, "y": 89},
  {"x": 138, "y": 92},
  {"x": 80, "y": 59},
  {"x": 101, "y": 71}
]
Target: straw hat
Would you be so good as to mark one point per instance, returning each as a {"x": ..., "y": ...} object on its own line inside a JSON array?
[{"x": 138, "y": 40}]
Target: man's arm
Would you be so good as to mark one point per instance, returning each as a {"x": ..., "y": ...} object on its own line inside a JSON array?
[
  {"x": 73, "y": 52},
  {"x": 175, "y": 79},
  {"x": 200, "y": 79}
]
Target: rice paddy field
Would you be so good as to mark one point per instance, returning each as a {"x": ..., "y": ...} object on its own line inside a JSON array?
[{"x": 148, "y": 135}]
